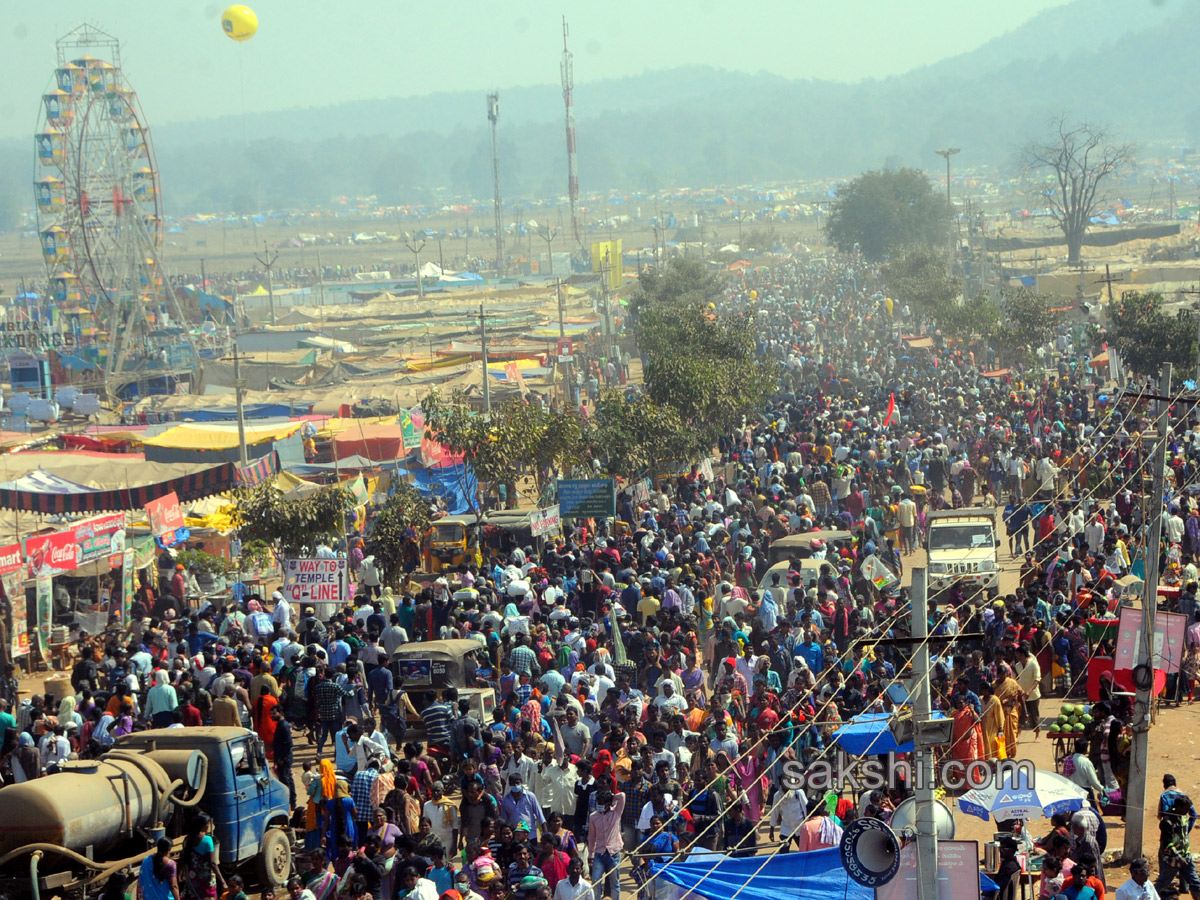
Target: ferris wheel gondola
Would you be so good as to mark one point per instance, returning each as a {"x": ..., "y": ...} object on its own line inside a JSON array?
[{"x": 98, "y": 202}]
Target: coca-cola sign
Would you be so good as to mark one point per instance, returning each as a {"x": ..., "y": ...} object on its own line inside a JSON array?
[
  {"x": 62, "y": 551},
  {"x": 54, "y": 553}
]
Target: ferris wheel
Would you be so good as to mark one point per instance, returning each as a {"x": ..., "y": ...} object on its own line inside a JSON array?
[{"x": 100, "y": 215}]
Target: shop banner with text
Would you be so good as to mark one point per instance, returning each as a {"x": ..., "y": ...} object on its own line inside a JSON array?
[
  {"x": 45, "y": 611},
  {"x": 128, "y": 587},
  {"x": 12, "y": 579},
  {"x": 82, "y": 542}
]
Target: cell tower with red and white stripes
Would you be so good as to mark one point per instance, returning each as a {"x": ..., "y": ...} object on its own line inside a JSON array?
[{"x": 568, "y": 84}]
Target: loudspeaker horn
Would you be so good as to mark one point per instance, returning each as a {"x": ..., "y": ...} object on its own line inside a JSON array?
[
  {"x": 905, "y": 818},
  {"x": 870, "y": 852}
]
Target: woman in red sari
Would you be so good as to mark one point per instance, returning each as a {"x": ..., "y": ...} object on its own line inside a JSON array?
[
  {"x": 964, "y": 739},
  {"x": 263, "y": 723}
]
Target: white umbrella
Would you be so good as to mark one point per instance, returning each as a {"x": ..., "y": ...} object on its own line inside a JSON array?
[{"x": 1018, "y": 794}]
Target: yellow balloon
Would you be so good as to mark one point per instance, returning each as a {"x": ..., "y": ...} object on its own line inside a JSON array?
[{"x": 239, "y": 22}]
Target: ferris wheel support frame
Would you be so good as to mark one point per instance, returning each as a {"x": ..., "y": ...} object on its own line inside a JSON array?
[{"x": 128, "y": 271}]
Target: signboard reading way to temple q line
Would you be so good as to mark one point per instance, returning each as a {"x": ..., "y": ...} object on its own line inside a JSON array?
[
  {"x": 319, "y": 583},
  {"x": 587, "y": 499}
]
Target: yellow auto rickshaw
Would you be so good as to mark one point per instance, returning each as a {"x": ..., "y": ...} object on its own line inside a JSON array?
[{"x": 450, "y": 542}]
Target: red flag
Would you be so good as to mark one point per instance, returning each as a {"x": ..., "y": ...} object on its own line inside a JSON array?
[{"x": 891, "y": 410}]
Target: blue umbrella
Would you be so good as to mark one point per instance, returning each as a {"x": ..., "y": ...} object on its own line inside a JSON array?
[{"x": 1020, "y": 796}]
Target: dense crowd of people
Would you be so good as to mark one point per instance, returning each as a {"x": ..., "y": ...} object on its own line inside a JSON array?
[{"x": 652, "y": 686}]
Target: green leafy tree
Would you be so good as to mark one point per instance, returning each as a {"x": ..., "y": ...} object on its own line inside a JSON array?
[
  {"x": 513, "y": 438},
  {"x": 975, "y": 317},
  {"x": 683, "y": 282},
  {"x": 1029, "y": 320},
  {"x": 917, "y": 276},
  {"x": 881, "y": 211},
  {"x": 697, "y": 362},
  {"x": 630, "y": 436},
  {"x": 1146, "y": 337},
  {"x": 291, "y": 527},
  {"x": 1069, "y": 171},
  {"x": 400, "y": 523}
]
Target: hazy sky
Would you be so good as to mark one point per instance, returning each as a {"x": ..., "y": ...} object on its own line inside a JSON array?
[{"x": 311, "y": 54}]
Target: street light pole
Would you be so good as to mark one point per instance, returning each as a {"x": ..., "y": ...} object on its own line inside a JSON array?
[{"x": 946, "y": 154}]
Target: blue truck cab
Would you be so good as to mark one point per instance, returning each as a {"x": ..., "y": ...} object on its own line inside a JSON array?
[{"x": 249, "y": 806}]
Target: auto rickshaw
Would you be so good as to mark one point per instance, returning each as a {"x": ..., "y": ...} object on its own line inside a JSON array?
[
  {"x": 434, "y": 666},
  {"x": 800, "y": 545},
  {"x": 450, "y": 542}
]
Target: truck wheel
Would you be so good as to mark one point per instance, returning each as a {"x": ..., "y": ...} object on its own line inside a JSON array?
[{"x": 275, "y": 859}]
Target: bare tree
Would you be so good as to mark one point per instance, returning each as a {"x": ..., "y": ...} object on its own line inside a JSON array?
[{"x": 1080, "y": 157}]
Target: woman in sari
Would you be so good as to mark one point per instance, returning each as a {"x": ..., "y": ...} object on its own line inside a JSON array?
[
  {"x": 715, "y": 768},
  {"x": 748, "y": 774},
  {"x": 1011, "y": 698},
  {"x": 317, "y": 876},
  {"x": 263, "y": 723},
  {"x": 319, "y": 790},
  {"x": 200, "y": 872},
  {"x": 339, "y": 820},
  {"x": 992, "y": 722},
  {"x": 693, "y": 681},
  {"x": 964, "y": 739}
]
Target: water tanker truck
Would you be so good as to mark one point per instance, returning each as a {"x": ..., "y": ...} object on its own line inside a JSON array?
[{"x": 66, "y": 833}]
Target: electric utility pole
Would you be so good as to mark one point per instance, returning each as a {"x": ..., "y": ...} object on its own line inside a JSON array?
[
  {"x": 266, "y": 261},
  {"x": 548, "y": 234},
  {"x": 1139, "y": 753},
  {"x": 239, "y": 390},
  {"x": 410, "y": 241},
  {"x": 923, "y": 768},
  {"x": 487, "y": 388}
]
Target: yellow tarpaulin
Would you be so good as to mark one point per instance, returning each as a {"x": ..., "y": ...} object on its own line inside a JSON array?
[
  {"x": 294, "y": 488},
  {"x": 197, "y": 437},
  {"x": 521, "y": 364}
]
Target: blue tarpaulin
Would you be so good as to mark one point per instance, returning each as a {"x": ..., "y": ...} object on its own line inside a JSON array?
[
  {"x": 785, "y": 876},
  {"x": 457, "y": 484},
  {"x": 209, "y": 301},
  {"x": 868, "y": 734},
  {"x": 229, "y": 413}
]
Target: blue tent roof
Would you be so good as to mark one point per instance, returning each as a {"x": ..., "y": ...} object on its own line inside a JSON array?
[
  {"x": 868, "y": 734},
  {"x": 457, "y": 484},
  {"x": 229, "y": 414},
  {"x": 784, "y": 876}
]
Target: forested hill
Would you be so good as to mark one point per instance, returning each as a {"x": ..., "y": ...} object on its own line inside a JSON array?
[{"x": 1128, "y": 63}]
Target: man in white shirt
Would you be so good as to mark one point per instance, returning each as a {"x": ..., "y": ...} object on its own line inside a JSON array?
[
  {"x": 1085, "y": 773},
  {"x": 906, "y": 515},
  {"x": 574, "y": 886},
  {"x": 668, "y": 699},
  {"x": 1138, "y": 887},
  {"x": 55, "y": 748},
  {"x": 1029, "y": 679},
  {"x": 791, "y": 809},
  {"x": 1172, "y": 527},
  {"x": 281, "y": 615}
]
